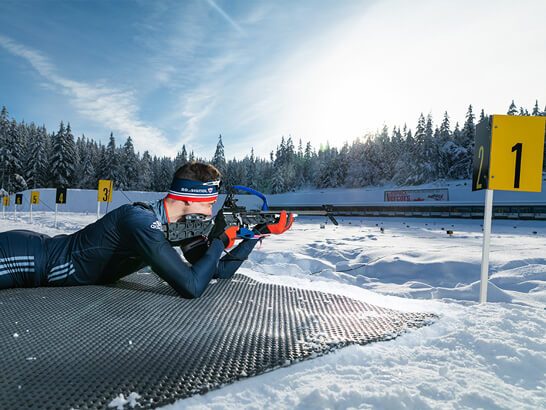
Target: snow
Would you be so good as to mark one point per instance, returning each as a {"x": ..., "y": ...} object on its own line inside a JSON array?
[
  {"x": 475, "y": 356},
  {"x": 120, "y": 401}
]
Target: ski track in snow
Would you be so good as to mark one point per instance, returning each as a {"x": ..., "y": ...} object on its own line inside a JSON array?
[{"x": 474, "y": 356}]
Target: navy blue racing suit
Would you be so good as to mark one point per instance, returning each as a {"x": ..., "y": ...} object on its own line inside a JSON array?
[{"x": 120, "y": 243}]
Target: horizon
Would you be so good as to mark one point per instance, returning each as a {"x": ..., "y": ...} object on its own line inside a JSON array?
[{"x": 169, "y": 74}]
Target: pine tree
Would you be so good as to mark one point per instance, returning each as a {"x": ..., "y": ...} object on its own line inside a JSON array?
[
  {"x": 420, "y": 132},
  {"x": 128, "y": 169},
  {"x": 536, "y": 110},
  {"x": 103, "y": 162},
  {"x": 36, "y": 159},
  {"x": 445, "y": 137},
  {"x": 181, "y": 158},
  {"x": 512, "y": 110},
  {"x": 145, "y": 172},
  {"x": 88, "y": 159},
  {"x": 5, "y": 152},
  {"x": 468, "y": 136},
  {"x": 112, "y": 169},
  {"x": 71, "y": 153},
  {"x": 219, "y": 159},
  {"x": 63, "y": 158},
  {"x": 12, "y": 158}
]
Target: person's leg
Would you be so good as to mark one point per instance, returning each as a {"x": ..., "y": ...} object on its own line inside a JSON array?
[
  {"x": 6, "y": 281},
  {"x": 20, "y": 259}
]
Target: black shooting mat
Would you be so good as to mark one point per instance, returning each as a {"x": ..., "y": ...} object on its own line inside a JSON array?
[{"x": 80, "y": 347}]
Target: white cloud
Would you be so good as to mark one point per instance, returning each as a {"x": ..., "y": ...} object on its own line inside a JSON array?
[
  {"x": 112, "y": 108},
  {"x": 226, "y": 16}
]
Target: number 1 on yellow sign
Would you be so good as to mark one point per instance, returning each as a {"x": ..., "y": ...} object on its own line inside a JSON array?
[{"x": 517, "y": 145}]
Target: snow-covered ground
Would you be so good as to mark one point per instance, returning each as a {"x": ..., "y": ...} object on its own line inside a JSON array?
[{"x": 475, "y": 356}]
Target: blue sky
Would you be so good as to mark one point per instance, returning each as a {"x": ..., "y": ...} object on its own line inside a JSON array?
[{"x": 169, "y": 73}]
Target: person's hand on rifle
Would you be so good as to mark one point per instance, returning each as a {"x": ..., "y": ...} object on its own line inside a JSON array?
[
  {"x": 282, "y": 225},
  {"x": 227, "y": 236}
]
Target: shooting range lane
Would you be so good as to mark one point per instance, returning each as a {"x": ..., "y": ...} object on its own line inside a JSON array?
[{"x": 82, "y": 346}]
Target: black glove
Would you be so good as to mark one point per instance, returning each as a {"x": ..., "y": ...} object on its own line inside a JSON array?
[{"x": 219, "y": 229}]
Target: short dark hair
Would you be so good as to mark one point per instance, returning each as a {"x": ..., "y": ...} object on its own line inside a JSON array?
[{"x": 197, "y": 171}]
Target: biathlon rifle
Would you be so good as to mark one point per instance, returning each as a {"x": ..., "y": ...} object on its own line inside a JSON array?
[{"x": 195, "y": 225}]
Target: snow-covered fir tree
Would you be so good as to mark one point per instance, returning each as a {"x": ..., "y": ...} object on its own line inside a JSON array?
[
  {"x": 128, "y": 167},
  {"x": 512, "y": 110},
  {"x": 112, "y": 168},
  {"x": 63, "y": 158},
  {"x": 5, "y": 151},
  {"x": 219, "y": 158},
  {"x": 181, "y": 157},
  {"x": 36, "y": 161}
]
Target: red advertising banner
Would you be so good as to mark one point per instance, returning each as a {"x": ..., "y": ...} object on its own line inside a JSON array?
[{"x": 411, "y": 195}]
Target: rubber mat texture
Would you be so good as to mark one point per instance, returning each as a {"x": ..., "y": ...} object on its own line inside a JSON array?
[{"x": 80, "y": 347}]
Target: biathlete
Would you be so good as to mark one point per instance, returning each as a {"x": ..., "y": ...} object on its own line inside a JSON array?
[{"x": 130, "y": 238}]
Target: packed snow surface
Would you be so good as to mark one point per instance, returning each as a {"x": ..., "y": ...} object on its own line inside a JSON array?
[{"x": 490, "y": 356}]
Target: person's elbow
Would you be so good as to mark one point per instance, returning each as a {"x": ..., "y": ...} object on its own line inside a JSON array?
[
  {"x": 224, "y": 274},
  {"x": 189, "y": 292}
]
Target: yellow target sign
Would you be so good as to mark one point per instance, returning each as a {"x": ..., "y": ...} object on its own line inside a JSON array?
[
  {"x": 517, "y": 149},
  {"x": 35, "y": 197},
  {"x": 6, "y": 201},
  {"x": 105, "y": 190},
  {"x": 508, "y": 153}
]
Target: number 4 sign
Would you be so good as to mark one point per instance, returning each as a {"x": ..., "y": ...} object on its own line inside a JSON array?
[{"x": 508, "y": 153}]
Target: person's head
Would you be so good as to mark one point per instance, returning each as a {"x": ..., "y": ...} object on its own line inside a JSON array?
[{"x": 194, "y": 190}]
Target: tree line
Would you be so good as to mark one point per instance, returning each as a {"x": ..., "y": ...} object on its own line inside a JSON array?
[{"x": 31, "y": 157}]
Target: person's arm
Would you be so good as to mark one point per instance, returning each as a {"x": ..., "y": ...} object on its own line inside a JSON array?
[
  {"x": 229, "y": 263},
  {"x": 190, "y": 282}
]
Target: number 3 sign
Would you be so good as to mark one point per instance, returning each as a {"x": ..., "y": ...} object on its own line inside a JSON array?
[
  {"x": 508, "y": 153},
  {"x": 105, "y": 190}
]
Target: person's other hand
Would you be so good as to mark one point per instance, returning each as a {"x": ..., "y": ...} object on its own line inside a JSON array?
[
  {"x": 284, "y": 223},
  {"x": 227, "y": 236}
]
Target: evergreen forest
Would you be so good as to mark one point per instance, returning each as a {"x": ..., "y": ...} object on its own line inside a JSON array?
[{"x": 32, "y": 157}]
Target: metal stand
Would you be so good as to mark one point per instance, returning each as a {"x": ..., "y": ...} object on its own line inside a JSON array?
[
  {"x": 56, "y": 205},
  {"x": 98, "y": 210},
  {"x": 488, "y": 212},
  {"x": 31, "y": 212}
]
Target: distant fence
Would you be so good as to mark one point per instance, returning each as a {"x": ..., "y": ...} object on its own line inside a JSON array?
[
  {"x": 85, "y": 200},
  {"x": 79, "y": 200},
  {"x": 501, "y": 211}
]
